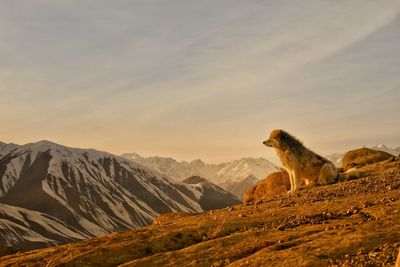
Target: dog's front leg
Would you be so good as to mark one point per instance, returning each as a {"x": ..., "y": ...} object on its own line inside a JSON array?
[
  {"x": 296, "y": 180},
  {"x": 292, "y": 181}
]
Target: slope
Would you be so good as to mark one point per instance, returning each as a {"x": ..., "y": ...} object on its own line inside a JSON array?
[{"x": 353, "y": 223}]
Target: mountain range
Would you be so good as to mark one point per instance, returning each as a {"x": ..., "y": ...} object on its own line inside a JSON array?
[
  {"x": 235, "y": 176},
  {"x": 52, "y": 194}
]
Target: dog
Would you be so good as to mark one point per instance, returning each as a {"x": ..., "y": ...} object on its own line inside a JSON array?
[{"x": 303, "y": 165}]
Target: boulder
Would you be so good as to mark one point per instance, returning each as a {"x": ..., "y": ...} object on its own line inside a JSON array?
[
  {"x": 363, "y": 156},
  {"x": 275, "y": 184}
]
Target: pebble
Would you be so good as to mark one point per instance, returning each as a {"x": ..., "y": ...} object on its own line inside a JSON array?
[{"x": 280, "y": 228}]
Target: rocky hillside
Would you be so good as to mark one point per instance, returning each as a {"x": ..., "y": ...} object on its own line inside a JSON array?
[
  {"x": 351, "y": 223},
  {"x": 55, "y": 194}
]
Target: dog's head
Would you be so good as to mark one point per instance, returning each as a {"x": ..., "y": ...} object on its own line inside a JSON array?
[{"x": 277, "y": 139}]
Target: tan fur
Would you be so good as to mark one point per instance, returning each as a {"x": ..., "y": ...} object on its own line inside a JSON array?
[{"x": 302, "y": 165}]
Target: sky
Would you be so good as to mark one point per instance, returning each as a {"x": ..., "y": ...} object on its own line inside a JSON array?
[{"x": 203, "y": 79}]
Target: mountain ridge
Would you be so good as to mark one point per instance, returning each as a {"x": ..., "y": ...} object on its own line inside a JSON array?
[
  {"x": 232, "y": 176},
  {"x": 92, "y": 191}
]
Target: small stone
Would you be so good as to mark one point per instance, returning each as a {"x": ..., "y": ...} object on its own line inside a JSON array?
[
  {"x": 280, "y": 228},
  {"x": 366, "y": 205}
]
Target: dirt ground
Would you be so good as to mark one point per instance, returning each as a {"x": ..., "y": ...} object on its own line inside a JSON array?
[{"x": 355, "y": 222}]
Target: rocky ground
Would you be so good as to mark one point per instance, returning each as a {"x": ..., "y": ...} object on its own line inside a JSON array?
[{"x": 355, "y": 222}]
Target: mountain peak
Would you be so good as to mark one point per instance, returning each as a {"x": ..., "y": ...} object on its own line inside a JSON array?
[
  {"x": 43, "y": 144},
  {"x": 197, "y": 162},
  {"x": 48, "y": 143},
  {"x": 132, "y": 155}
]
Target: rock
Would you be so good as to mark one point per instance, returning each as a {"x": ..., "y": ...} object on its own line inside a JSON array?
[
  {"x": 280, "y": 228},
  {"x": 398, "y": 261},
  {"x": 275, "y": 184},
  {"x": 363, "y": 156}
]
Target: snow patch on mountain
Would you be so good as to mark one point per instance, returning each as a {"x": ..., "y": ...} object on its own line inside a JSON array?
[{"x": 239, "y": 170}]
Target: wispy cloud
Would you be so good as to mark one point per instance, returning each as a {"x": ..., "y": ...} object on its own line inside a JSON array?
[{"x": 119, "y": 76}]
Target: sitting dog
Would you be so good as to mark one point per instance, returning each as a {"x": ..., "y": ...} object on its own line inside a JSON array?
[{"x": 302, "y": 165}]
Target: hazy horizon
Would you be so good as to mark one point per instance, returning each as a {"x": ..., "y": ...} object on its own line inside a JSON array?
[{"x": 200, "y": 79}]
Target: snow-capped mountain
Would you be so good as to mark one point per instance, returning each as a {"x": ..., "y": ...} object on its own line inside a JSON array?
[
  {"x": 216, "y": 196},
  {"x": 239, "y": 169},
  {"x": 173, "y": 169},
  {"x": 91, "y": 191},
  {"x": 235, "y": 176},
  {"x": 239, "y": 186},
  {"x": 382, "y": 147},
  {"x": 216, "y": 173},
  {"x": 336, "y": 159}
]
